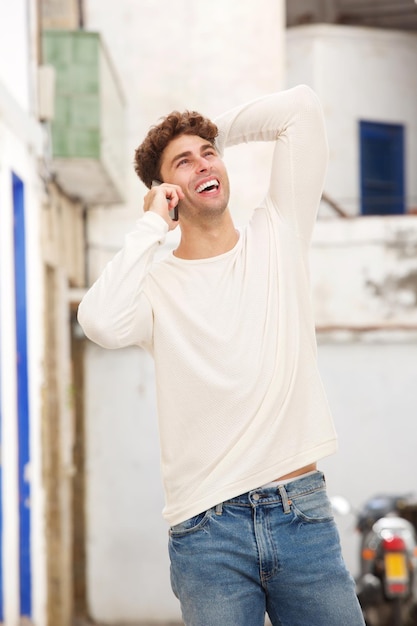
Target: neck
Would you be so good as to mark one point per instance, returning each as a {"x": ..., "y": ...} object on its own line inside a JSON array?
[{"x": 205, "y": 240}]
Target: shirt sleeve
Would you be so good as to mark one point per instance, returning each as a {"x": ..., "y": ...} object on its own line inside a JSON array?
[
  {"x": 294, "y": 120},
  {"x": 115, "y": 312}
]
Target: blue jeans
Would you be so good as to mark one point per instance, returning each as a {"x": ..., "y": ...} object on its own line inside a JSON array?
[{"x": 273, "y": 550}]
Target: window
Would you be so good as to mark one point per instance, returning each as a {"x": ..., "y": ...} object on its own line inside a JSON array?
[{"x": 382, "y": 168}]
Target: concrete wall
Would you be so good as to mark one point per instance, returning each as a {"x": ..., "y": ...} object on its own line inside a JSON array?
[
  {"x": 359, "y": 74},
  {"x": 364, "y": 270},
  {"x": 364, "y": 273},
  {"x": 371, "y": 386},
  {"x": 15, "y": 68}
]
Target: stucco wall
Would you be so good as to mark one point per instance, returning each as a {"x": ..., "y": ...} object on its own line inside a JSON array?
[
  {"x": 364, "y": 272},
  {"x": 359, "y": 74},
  {"x": 14, "y": 36},
  {"x": 370, "y": 382}
]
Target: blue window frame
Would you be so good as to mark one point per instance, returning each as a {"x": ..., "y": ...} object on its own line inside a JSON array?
[
  {"x": 22, "y": 397},
  {"x": 382, "y": 168}
]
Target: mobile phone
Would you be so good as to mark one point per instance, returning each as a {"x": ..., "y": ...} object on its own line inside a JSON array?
[{"x": 173, "y": 213}]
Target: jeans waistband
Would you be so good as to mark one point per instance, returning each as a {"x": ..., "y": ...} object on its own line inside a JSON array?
[{"x": 280, "y": 492}]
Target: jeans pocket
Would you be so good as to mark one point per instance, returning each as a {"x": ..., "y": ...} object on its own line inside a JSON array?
[
  {"x": 190, "y": 525},
  {"x": 313, "y": 506}
]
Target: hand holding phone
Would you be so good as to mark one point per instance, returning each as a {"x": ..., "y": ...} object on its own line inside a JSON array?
[{"x": 173, "y": 213}]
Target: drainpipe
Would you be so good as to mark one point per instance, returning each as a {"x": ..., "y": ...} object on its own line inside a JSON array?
[{"x": 81, "y": 14}]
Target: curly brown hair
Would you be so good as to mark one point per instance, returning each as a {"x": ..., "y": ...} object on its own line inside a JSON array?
[{"x": 148, "y": 155}]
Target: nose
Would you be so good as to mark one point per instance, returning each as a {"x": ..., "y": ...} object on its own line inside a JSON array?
[{"x": 202, "y": 164}]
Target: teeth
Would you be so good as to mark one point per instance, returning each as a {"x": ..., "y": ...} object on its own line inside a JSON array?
[{"x": 209, "y": 183}]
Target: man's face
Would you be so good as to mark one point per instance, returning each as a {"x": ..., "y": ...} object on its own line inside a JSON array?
[{"x": 194, "y": 164}]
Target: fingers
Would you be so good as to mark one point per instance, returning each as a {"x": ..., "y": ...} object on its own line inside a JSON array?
[
  {"x": 163, "y": 198},
  {"x": 173, "y": 195}
]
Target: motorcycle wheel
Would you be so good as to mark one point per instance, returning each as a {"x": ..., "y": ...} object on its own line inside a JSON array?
[{"x": 396, "y": 615}]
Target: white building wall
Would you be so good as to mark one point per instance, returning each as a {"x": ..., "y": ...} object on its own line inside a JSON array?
[
  {"x": 20, "y": 145},
  {"x": 364, "y": 269},
  {"x": 371, "y": 385},
  {"x": 174, "y": 55},
  {"x": 359, "y": 74},
  {"x": 15, "y": 156},
  {"x": 14, "y": 36},
  {"x": 364, "y": 273}
]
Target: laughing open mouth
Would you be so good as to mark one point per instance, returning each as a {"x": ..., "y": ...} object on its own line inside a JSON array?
[{"x": 208, "y": 185}]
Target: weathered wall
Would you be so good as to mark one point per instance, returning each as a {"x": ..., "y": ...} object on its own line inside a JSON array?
[
  {"x": 364, "y": 273},
  {"x": 60, "y": 14},
  {"x": 63, "y": 266}
]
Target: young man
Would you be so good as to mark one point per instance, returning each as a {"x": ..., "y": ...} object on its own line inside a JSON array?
[{"x": 243, "y": 417}]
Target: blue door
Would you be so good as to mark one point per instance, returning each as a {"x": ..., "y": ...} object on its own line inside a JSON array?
[
  {"x": 382, "y": 168},
  {"x": 22, "y": 397},
  {"x": 1, "y": 504}
]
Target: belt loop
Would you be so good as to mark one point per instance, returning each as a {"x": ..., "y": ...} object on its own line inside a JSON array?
[
  {"x": 219, "y": 508},
  {"x": 284, "y": 497}
]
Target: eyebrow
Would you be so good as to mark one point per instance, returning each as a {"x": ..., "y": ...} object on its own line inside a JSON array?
[{"x": 189, "y": 153}]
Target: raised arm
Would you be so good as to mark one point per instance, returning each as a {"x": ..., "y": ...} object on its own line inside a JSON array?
[
  {"x": 115, "y": 312},
  {"x": 294, "y": 120}
]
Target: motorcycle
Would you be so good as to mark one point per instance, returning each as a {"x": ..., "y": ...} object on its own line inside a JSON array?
[{"x": 387, "y": 582}]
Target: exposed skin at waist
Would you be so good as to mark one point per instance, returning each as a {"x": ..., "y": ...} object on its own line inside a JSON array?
[{"x": 303, "y": 470}]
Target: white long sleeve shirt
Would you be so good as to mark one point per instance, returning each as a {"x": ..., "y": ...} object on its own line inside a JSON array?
[{"x": 240, "y": 400}]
